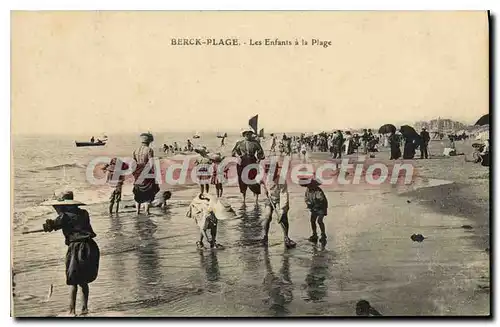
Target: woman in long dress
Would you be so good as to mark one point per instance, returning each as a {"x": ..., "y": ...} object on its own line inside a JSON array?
[
  {"x": 394, "y": 144},
  {"x": 145, "y": 189}
]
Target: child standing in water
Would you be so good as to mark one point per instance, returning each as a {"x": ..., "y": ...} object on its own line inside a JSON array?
[
  {"x": 203, "y": 164},
  {"x": 201, "y": 209},
  {"x": 82, "y": 257},
  {"x": 217, "y": 172},
  {"x": 116, "y": 182},
  {"x": 277, "y": 200},
  {"x": 317, "y": 203}
]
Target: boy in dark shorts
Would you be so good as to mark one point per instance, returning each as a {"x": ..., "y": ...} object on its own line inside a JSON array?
[
  {"x": 317, "y": 203},
  {"x": 116, "y": 182}
]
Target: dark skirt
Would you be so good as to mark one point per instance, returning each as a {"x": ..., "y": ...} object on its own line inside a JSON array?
[
  {"x": 252, "y": 174},
  {"x": 395, "y": 153},
  {"x": 409, "y": 151},
  {"x": 146, "y": 191},
  {"x": 82, "y": 262}
]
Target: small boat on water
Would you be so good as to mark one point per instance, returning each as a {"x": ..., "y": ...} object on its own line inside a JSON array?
[
  {"x": 196, "y": 136},
  {"x": 98, "y": 143},
  {"x": 101, "y": 141}
]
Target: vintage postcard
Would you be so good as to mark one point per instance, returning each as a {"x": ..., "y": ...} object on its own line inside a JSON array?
[{"x": 250, "y": 164}]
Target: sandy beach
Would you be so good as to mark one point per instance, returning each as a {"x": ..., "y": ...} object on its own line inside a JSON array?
[{"x": 151, "y": 267}]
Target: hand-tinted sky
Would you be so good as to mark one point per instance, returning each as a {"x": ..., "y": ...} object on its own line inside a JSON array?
[{"x": 79, "y": 72}]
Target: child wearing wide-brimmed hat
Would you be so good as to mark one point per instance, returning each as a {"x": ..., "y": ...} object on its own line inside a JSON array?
[
  {"x": 317, "y": 203},
  {"x": 82, "y": 257}
]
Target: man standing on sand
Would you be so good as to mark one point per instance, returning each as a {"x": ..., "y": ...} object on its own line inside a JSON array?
[
  {"x": 250, "y": 152},
  {"x": 425, "y": 138},
  {"x": 364, "y": 139}
]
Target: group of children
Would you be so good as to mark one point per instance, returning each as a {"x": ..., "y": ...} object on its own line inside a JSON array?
[
  {"x": 82, "y": 257},
  {"x": 205, "y": 163},
  {"x": 276, "y": 190}
]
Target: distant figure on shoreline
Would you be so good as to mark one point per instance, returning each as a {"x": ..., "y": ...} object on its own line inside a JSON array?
[
  {"x": 394, "y": 143},
  {"x": 273, "y": 143},
  {"x": 424, "y": 135},
  {"x": 92, "y": 139}
]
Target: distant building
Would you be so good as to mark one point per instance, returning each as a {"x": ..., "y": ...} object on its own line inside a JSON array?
[{"x": 440, "y": 124}]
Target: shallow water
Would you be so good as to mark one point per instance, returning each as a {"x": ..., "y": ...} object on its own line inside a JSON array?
[{"x": 150, "y": 265}]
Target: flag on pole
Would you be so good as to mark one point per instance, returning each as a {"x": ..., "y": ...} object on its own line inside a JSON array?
[{"x": 253, "y": 123}]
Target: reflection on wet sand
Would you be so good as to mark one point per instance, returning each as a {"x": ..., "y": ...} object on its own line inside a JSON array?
[
  {"x": 318, "y": 272},
  {"x": 211, "y": 265},
  {"x": 118, "y": 270},
  {"x": 278, "y": 288},
  {"x": 251, "y": 232},
  {"x": 149, "y": 277}
]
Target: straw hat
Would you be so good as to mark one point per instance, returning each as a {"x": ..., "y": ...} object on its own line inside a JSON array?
[
  {"x": 63, "y": 199},
  {"x": 147, "y": 137},
  {"x": 246, "y": 130}
]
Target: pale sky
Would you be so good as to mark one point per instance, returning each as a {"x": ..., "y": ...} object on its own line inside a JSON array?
[{"x": 115, "y": 72}]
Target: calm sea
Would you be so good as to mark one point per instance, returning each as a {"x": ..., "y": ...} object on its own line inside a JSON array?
[{"x": 47, "y": 164}]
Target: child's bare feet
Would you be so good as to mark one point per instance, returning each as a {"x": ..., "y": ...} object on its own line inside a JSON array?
[
  {"x": 85, "y": 311},
  {"x": 70, "y": 313}
]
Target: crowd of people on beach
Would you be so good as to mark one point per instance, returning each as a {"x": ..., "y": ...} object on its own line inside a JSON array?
[{"x": 82, "y": 258}]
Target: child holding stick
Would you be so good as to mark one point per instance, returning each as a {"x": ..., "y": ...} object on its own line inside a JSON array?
[
  {"x": 277, "y": 203},
  {"x": 82, "y": 257}
]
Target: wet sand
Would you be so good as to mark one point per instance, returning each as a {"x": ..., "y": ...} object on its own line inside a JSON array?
[{"x": 150, "y": 265}]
